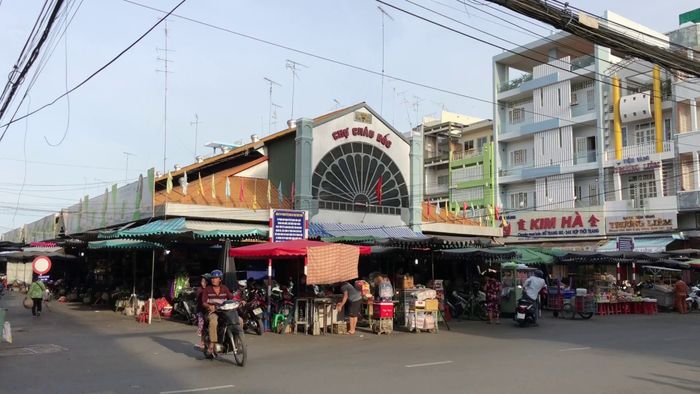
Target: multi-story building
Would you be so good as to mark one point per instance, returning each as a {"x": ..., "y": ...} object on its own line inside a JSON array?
[
  {"x": 578, "y": 158},
  {"x": 458, "y": 156}
]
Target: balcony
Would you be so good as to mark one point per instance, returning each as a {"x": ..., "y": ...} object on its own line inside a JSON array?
[
  {"x": 585, "y": 157},
  {"x": 689, "y": 201},
  {"x": 431, "y": 159},
  {"x": 581, "y": 62},
  {"x": 515, "y": 83},
  {"x": 434, "y": 189},
  {"x": 632, "y": 151},
  {"x": 466, "y": 154}
]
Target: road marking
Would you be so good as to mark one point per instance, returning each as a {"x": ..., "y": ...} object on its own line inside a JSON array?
[
  {"x": 228, "y": 386},
  {"x": 429, "y": 364},
  {"x": 573, "y": 349},
  {"x": 675, "y": 338}
]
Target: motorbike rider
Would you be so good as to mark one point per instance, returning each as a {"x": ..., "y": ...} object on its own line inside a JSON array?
[
  {"x": 213, "y": 295},
  {"x": 531, "y": 289}
]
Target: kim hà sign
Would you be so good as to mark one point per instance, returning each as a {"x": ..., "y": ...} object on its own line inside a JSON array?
[
  {"x": 549, "y": 225},
  {"x": 649, "y": 223}
]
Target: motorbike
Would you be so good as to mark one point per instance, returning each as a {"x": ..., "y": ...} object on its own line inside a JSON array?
[
  {"x": 252, "y": 311},
  {"x": 470, "y": 304},
  {"x": 693, "y": 299},
  {"x": 185, "y": 305},
  {"x": 230, "y": 333},
  {"x": 525, "y": 312},
  {"x": 282, "y": 302}
]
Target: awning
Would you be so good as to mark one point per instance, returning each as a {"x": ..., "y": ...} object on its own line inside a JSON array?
[
  {"x": 477, "y": 253},
  {"x": 297, "y": 248},
  {"x": 646, "y": 245},
  {"x": 360, "y": 232},
  {"x": 124, "y": 244},
  {"x": 181, "y": 227},
  {"x": 528, "y": 255}
]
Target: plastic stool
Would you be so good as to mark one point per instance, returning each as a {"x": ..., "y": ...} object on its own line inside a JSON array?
[
  {"x": 301, "y": 314},
  {"x": 602, "y": 310}
]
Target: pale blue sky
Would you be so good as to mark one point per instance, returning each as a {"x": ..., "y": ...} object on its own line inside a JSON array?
[{"x": 219, "y": 76}]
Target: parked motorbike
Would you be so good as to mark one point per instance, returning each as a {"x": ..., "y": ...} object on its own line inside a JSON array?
[
  {"x": 525, "y": 312},
  {"x": 252, "y": 311},
  {"x": 230, "y": 334},
  {"x": 185, "y": 305},
  {"x": 471, "y": 304},
  {"x": 693, "y": 299},
  {"x": 282, "y": 303}
]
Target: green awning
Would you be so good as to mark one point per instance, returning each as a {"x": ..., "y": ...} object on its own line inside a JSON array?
[
  {"x": 181, "y": 227},
  {"x": 124, "y": 244},
  {"x": 158, "y": 227},
  {"x": 234, "y": 234},
  {"x": 529, "y": 255}
]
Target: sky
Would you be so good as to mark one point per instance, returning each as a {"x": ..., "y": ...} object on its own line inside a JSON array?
[{"x": 219, "y": 76}]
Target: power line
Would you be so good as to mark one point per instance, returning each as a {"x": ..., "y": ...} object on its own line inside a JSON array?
[{"x": 76, "y": 87}]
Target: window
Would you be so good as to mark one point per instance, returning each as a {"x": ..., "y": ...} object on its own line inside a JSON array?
[
  {"x": 668, "y": 134},
  {"x": 577, "y": 192},
  {"x": 468, "y": 145},
  {"x": 641, "y": 187},
  {"x": 559, "y": 96},
  {"x": 624, "y": 136},
  {"x": 516, "y": 115},
  {"x": 518, "y": 157},
  {"x": 592, "y": 194},
  {"x": 574, "y": 98},
  {"x": 590, "y": 99},
  {"x": 644, "y": 134},
  {"x": 560, "y": 138},
  {"x": 518, "y": 200},
  {"x": 481, "y": 142},
  {"x": 541, "y": 97},
  {"x": 442, "y": 180}
]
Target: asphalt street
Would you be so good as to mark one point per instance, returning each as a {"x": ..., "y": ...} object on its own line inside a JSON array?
[{"x": 76, "y": 349}]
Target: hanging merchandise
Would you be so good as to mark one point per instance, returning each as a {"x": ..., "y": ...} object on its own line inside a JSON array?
[{"x": 182, "y": 281}]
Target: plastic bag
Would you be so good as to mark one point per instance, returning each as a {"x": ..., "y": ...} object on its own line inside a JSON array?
[
  {"x": 386, "y": 292},
  {"x": 7, "y": 332},
  {"x": 28, "y": 303}
]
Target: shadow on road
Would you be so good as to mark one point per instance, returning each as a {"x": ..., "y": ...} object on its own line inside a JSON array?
[
  {"x": 179, "y": 346},
  {"x": 672, "y": 381}
]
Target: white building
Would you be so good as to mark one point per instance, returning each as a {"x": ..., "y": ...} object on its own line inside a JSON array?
[{"x": 563, "y": 172}]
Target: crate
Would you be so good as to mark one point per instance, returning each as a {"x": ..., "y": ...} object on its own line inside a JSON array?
[
  {"x": 404, "y": 282},
  {"x": 340, "y": 327},
  {"x": 383, "y": 310}
]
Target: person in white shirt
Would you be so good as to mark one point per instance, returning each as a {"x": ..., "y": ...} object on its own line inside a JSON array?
[{"x": 531, "y": 289}]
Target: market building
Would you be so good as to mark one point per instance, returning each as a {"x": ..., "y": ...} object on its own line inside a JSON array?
[{"x": 584, "y": 154}]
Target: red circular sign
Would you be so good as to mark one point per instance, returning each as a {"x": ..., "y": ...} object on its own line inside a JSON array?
[{"x": 41, "y": 265}]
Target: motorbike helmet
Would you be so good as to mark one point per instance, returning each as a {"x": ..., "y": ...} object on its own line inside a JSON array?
[
  {"x": 243, "y": 283},
  {"x": 539, "y": 274},
  {"x": 217, "y": 274}
]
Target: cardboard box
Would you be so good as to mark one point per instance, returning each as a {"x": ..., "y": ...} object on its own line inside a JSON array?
[
  {"x": 431, "y": 305},
  {"x": 340, "y": 328},
  {"x": 404, "y": 282}
]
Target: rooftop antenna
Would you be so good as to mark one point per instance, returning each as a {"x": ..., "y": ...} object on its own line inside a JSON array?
[
  {"x": 292, "y": 65},
  {"x": 337, "y": 103},
  {"x": 416, "y": 106},
  {"x": 126, "y": 170},
  {"x": 195, "y": 123},
  {"x": 269, "y": 118},
  {"x": 274, "y": 114},
  {"x": 165, "y": 51},
  {"x": 383, "y": 14}
]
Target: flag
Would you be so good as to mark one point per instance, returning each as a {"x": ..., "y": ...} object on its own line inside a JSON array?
[
  {"x": 378, "y": 190},
  {"x": 428, "y": 209},
  {"x": 269, "y": 196},
  {"x": 213, "y": 187},
  {"x": 466, "y": 206},
  {"x": 183, "y": 183},
  {"x": 280, "y": 196},
  {"x": 201, "y": 187},
  {"x": 169, "y": 183},
  {"x": 255, "y": 194},
  {"x": 473, "y": 210},
  {"x": 503, "y": 222},
  {"x": 291, "y": 195},
  {"x": 437, "y": 208},
  {"x": 241, "y": 195},
  {"x": 498, "y": 214},
  {"x": 228, "y": 188}
]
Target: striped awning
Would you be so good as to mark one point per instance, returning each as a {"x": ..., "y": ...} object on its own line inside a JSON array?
[
  {"x": 181, "y": 227},
  {"x": 360, "y": 232},
  {"x": 124, "y": 244}
]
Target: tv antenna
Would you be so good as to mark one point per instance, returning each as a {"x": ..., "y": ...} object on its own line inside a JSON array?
[
  {"x": 292, "y": 65},
  {"x": 337, "y": 103},
  {"x": 164, "y": 52},
  {"x": 196, "y": 124},
  {"x": 275, "y": 107},
  {"x": 383, "y": 14},
  {"x": 126, "y": 170},
  {"x": 269, "y": 119}
]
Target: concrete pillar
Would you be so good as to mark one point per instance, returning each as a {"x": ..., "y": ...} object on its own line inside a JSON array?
[
  {"x": 617, "y": 185},
  {"x": 696, "y": 171},
  {"x": 415, "y": 215},
  {"x": 693, "y": 115},
  {"x": 659, "y": 178},
  {"x": 302, "y": 167}
]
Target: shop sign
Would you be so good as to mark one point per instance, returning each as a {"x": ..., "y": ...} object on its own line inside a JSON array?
[
  {"x": 288, "y": 225},
  {"x": 636, "y": 164},
  {"x": 641, "y": 223},
  {"x": 625, "y": 244},
  {"x": 539, "y": 225},
  {"x": 361, "y": 132}
]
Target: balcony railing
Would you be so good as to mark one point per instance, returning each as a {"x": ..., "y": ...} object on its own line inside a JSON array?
[
  {"x": 433, "y": 157},
  {"x": 514, "y": 83},
  {"x": 639, "y": 150},
  {"x": 466, "y": 154},
  {"x": 585, "y": 157},
  {"x": 433, "y": 189},
  {"x": 581, "y": 62}
]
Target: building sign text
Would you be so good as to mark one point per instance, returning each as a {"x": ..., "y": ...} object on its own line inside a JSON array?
[
  {"x": 362, "y": 132},
  {"x": 641, "y": 223}
]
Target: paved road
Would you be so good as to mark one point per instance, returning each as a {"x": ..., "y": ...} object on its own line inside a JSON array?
[{"x": 78, "y": 350}]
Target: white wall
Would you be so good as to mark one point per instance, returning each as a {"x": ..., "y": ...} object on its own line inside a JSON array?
[
  {"x": 258, "y": 171},
  {"x": 554, "y": 147},
  {"x": 526, "y": 144},
  {"x": 555, "y": 192}
]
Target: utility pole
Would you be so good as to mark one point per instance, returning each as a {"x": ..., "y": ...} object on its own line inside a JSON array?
[
  {"x": 384, "y": 14},
  {"x": 269, "y": 118},
  {"x": 165, "y": 51},
  {"x": 292, "y": 65},
  {"x": 126, "y": 170},
  {"x": 195, "y": 123}
]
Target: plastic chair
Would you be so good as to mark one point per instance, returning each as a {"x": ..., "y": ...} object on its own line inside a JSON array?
[{"x": 301, "y": 314}]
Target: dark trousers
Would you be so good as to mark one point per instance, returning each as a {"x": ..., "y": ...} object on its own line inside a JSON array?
[{"x": 36, "y": 308}]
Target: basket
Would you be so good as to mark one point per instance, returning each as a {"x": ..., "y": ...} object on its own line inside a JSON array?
[{"x": 586, "y": 304}]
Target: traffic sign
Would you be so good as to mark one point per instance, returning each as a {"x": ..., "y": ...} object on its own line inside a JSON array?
[{"x": 41, "y": 265}]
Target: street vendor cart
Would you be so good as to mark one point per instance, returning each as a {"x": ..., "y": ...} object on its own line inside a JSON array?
[{"x": 569, "y": 303}]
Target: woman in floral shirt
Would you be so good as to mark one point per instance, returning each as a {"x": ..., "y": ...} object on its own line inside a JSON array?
[{"x": 492, "y": 288}]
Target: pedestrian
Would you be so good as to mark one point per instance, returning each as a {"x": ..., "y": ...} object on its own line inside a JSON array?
[
  {"x": 203, "y": 283},
  {"x": 492, "y": 288},
  {"x": 531, "y": 290},
  {"x": 354, "y": 297},
  {"x": 36, "y": 293},
  {"x": 681, "y": 290}
]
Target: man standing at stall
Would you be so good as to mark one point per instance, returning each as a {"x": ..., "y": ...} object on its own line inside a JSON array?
[
  {"x": 681, "y": 290},
  {"x": 352, "y": 295}
]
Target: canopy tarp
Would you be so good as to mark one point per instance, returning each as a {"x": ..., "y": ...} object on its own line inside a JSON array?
[
  {"x": 271, "y": 250},
  {"x": 332, "y": 263},
  {"x": 364, "y": 231},
  {"x": 481, "y": 253},
  {"x": 124, "y": 244},
  {"x": 528, "y": 255},
  {"x": 181, "y": 227}
]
